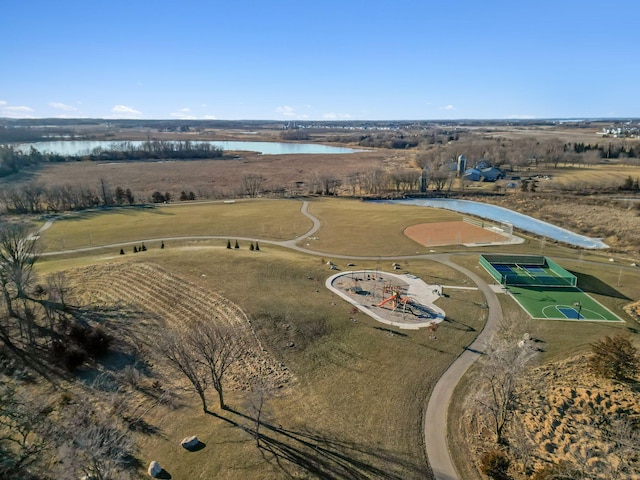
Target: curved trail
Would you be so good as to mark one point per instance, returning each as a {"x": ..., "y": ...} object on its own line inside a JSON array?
[{"x": 435, "y": 421}]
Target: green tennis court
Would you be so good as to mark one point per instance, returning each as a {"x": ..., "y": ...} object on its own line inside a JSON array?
[{"x": 561, "y": 303}]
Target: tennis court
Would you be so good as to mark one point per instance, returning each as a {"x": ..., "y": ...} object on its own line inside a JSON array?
[
  {"x": 544, "y": 289},
  {"x": 527, "y": 270}
]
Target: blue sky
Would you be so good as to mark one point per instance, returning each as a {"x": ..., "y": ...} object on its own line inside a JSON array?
[{"x": 320, "y": 60}]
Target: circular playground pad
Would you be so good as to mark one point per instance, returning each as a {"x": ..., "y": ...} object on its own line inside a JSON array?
[{"x": 404, "y": 301}]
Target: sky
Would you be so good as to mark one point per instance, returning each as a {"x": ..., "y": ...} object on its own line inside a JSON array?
[{"x": 320, "y": 60}]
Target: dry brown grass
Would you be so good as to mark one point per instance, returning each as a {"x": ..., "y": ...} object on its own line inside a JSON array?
[
  {"x": 207, "y": 178},
  {"x": 355, "y": 409},
  {"x": 565, "y": 414}
]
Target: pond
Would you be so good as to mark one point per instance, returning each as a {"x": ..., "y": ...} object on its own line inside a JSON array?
[
  {"x": 84, "y": 147},
  {"x": 501, "y": 214}
]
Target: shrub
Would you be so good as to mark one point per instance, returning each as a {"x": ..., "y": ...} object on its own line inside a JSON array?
[
  {"x": 558, "y": 471},
  {"x": 495, "y": 464},
  {"x": 94, "y": 341},
  {"x": 614, "y": 357},
  {"x": 67, "y": 356}
]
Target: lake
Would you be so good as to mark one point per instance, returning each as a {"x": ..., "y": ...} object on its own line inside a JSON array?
[
  {"x": 84, "y": 147},
  {"x": 501, "y": 214}
]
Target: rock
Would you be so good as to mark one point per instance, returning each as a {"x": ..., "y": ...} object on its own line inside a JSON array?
[
  {"x": 190, "y": 442},
  {"x": 154, "y": 469}
]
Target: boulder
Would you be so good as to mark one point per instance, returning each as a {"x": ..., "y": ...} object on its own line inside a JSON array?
[
  {"x": 154, "y": 469},
  {"x": 190, "y": 442}
]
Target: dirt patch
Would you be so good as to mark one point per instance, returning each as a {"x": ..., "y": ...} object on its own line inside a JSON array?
[{"x": 451, "y": 233}]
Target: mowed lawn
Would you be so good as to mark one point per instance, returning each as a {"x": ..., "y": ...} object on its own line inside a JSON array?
[
  {"x": 264, "y": 219},
  {"x": 354, "y": 227}
]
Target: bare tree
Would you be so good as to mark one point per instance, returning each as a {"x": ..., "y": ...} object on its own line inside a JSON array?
[
  {"x": 25, "y": 433},
  {"x": 614, "y": 357},
  {"x": 177, "y": 350},
  {"x": 440, "y": 179},
  {"x": 94, "y": 443},
  {"x": 329, "y": 184},
  {"x": 505, "y": 360},
  {"x": 17, "y": 257},
  {"x": 370, "y": 182},
  {"x": 258, "y": 396},
  {"x": 217, "y": 348},
  {"x": 252, "y": 184}
]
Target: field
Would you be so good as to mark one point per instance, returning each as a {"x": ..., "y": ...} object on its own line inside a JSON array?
[
  {"x": 347, "y": 395},
  {"x": 355, "y": 432},
  {"x": 208, "y": 179},
  {"x": 267, "y": 219},
  {"x": 370, "y": 429}
]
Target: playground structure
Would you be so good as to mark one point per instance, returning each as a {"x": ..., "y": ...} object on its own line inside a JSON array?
[
  {"x": 396, "y": 299},
  {"x": 404, "y": 301}
]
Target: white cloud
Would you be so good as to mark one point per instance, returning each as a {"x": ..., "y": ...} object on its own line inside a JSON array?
[
  {"x": 184, "y": 114},
  {"x": 209, "y": 117},
  {"x": 3, "y": 103},
  {"x": 124, "y": 111},
  {"x": 521, "y": 117},
  {"x": 17, "y": 111},
  {"x": 287, "y": 111},
  {"x": 62, "y": 106},
  {"x": 336, "y": 116},
  {"x": 448, "y": 107}
]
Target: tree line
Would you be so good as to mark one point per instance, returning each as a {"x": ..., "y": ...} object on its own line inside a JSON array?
[
  {"x": 36, "y": 198},
  {"x": 13, "y": 160}
]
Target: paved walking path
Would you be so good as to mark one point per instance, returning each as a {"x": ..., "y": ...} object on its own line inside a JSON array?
[{"x": 435, "y": 421}]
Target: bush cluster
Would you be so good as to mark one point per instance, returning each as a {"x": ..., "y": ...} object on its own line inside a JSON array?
[{"x": 81, "y": 342}]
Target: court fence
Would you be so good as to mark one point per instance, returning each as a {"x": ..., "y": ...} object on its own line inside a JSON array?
[{"x": 527, "y": 270}]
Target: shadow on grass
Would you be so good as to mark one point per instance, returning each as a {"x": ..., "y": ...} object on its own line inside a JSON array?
[
  {"x": 391, "y": 332},
  {"x": 123, "y": 209},
  {"x": 591, "y": 284},
  {"x": 321, "y": 456},
  {"x": 457, "y": 325},
  {"x": 196, "y": 448},
  {"x": 163, "y": 474}
]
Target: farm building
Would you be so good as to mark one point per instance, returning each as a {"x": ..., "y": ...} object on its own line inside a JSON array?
[{"x": 488, "y": 174}]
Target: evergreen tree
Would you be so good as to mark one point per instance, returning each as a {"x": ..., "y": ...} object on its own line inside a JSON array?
[
  {"x": 121, "y": 251},
  {"x": 162, "y": 244},
  {"x": 237, "y": 246},
  {"x": 229, "y": 244},
  {"x": 135, "y": 249},
  {"x": 251, "y": 247},
  {"x": 257, "y": 246},
  {"x": 143, "y": 248}
]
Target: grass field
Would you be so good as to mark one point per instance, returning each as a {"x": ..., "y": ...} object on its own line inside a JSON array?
[
  {"x": 356, "y": 408},
  {"x": 361, "y": 387},
  {"x": 353, "y": 227},
  {"x": 267, "y": 219}
]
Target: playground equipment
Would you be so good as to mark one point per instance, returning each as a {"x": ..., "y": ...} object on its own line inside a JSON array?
[{"x": 396, "y": 299}]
